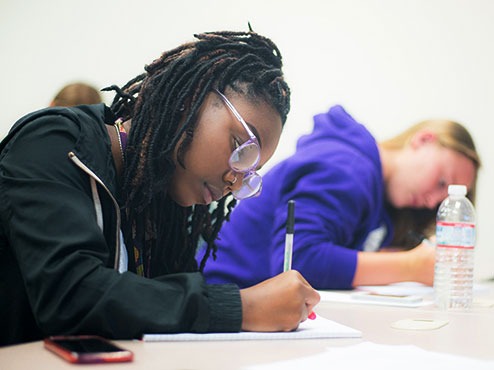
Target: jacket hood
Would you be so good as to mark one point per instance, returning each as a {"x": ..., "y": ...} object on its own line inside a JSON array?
[
  {"x": 95, "y": 112},
  {"x": 83, "y": 122},
  {"x": 338, "y": 125}
]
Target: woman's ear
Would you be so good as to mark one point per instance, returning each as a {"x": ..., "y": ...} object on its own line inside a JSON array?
[{"x": 423, "y": 137}]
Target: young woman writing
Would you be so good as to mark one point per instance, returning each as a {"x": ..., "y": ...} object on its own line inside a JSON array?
[{"x": 101, "y": 208}]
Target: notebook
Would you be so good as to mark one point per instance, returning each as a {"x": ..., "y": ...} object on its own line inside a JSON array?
[{"x": 309, "y": 329}]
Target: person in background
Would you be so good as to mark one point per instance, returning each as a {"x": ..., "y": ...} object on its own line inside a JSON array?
[
  {"x": 101, "y": 208},
  {"x": 77, "y": 93},
  {"x": 355, "y": 200}
]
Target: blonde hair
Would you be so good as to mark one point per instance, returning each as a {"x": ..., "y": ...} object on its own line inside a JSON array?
[
  {"x": 76, "y": 94},
  {"x": 449, "y": 134}
]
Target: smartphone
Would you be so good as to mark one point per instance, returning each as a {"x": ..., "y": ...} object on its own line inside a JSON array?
[
  {"x": 87, "y": 349},
  {"x": 386, "y": 298}
]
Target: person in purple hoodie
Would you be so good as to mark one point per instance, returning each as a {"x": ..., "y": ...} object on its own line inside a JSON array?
[{"x": 362, "y": 210}]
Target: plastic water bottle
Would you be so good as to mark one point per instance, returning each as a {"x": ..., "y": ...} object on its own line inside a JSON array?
[{"x": 455, "y": 243}]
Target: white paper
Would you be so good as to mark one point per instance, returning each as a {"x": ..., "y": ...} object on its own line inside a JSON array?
[
  {"x": 403, "y": 288},
  {"x": 406, "y": 288},
  {"x": 370, "y": 356},
  {"x": 317, "y": 328}
]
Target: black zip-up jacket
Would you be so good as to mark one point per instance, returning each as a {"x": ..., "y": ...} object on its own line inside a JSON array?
[{"x": 59, "y": 244}]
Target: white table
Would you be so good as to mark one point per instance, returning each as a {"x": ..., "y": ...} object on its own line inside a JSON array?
[{"x": 468, "y": 334}]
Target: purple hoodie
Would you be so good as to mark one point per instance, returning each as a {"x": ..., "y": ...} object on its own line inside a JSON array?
[{"x": 335, "y": 178}]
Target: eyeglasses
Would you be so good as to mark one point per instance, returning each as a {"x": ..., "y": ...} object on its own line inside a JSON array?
[{"x": 244, "y": 159}]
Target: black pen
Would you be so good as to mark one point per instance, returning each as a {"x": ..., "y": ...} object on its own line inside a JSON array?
[
  {"x": 290, "y": 226},
  {"x": 290, "y": 229}
]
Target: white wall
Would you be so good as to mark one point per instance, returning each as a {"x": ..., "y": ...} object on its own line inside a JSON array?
[{"x": 389, "y": 62}]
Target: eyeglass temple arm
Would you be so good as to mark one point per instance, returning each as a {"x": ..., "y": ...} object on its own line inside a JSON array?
[{"x": 237, "y": 115}]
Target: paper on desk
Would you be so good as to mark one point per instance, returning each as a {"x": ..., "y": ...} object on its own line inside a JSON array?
[
  {"x": 370, "y": 356},
  {"x": 405, "y": 288},
  {"x": 317, "y": 328},
  {"x": 411, "y": 288}
]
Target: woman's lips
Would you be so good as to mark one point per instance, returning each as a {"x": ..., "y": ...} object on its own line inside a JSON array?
[{"x": 210, "y": 194}]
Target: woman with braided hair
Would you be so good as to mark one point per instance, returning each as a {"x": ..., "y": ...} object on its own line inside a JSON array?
[{"x": 102, "y": 207}]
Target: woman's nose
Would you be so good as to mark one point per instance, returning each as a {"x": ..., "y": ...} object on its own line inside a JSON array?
[{"x": 233, "y": 181}]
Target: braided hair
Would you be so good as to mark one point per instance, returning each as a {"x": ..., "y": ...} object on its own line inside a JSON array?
[{"x": 157, "y": 227}]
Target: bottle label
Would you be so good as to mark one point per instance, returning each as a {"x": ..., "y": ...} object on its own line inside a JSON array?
[{"x": 455, "y": 235}]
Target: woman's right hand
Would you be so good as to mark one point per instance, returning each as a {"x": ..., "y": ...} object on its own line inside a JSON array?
[
  {"x": 422, "y": 259},
  {"x": 278, "y": 304}
]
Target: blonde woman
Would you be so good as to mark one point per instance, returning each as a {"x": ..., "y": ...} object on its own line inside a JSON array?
[{"x": 355, "y": 198}]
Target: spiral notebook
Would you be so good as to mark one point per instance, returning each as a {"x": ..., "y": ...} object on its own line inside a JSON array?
[{"x": 309, "y": 329}]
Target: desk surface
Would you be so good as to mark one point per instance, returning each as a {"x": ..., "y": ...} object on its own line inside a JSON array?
[{"x": 468, "y": 334}]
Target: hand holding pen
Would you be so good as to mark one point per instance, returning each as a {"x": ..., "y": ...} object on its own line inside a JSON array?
[
  {"x": 282, "y": 302},
  {"x": 421, "y": 260},
  {"x": 290, "y": 229}
]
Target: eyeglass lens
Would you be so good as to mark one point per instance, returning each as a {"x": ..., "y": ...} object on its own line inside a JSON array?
[
  {"x": 245, "y": 157},
  {"x": 251, "y": 186}
]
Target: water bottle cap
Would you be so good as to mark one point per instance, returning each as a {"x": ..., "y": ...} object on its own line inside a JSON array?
[{"x": 457, "y": 190}]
